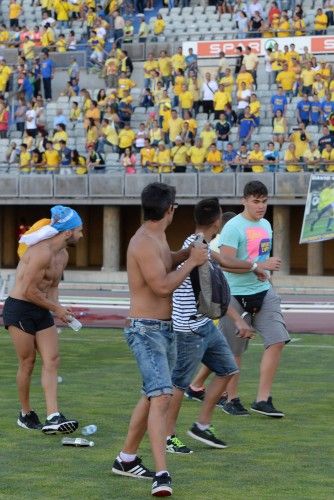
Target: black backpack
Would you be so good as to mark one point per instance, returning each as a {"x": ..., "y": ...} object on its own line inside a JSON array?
[{"x": 211, "y": 290}]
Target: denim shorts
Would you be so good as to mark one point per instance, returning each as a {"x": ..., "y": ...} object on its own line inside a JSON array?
[
  {"x": 208, "y": 345},
  {"x": 152, "y": 342}
]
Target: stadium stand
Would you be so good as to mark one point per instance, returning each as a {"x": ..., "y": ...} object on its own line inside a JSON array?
[{"x": 263, "y": 114}]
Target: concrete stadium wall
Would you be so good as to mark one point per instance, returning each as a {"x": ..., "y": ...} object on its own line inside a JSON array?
[{"x": 121, "y": 189}]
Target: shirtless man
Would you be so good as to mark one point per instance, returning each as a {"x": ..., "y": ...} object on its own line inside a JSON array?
[
  {"x": 152, "y": 278},
  {"x": 27, "y": 315}
]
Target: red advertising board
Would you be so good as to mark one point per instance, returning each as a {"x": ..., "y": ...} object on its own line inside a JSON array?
[{"x": 212, "y": 49}]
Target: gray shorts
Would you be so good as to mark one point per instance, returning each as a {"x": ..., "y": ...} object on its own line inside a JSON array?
[{"x": 268, "y": 322}]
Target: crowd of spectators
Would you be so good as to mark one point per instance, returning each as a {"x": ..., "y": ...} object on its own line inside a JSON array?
[{"x": 175, "y": 98}]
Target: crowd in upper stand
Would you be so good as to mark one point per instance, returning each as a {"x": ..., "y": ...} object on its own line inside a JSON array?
[{"x": 228, "y": 118}]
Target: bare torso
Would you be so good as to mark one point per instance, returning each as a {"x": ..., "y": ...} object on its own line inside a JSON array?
[
  {"x": 144, "y": 303},
  {"x": 49, "y": 274}
]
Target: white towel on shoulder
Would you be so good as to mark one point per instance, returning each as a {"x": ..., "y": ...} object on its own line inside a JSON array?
[{"x": 41, "y": 234}]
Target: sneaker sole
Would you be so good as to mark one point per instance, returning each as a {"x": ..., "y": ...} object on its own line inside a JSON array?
[
  {"x": 162, "y": 491},
  {"x": 129, "y": 474},
  {"x": 274, "y": 415},
  {"x": 206, "y": 441},
  {"x": 24, "y": 426},
  {"x": 233, "y": 414},
  {"x": 193, "y": 399},
  {"x": 179, "y": 452},
  {"x": 65, "y": 428}
]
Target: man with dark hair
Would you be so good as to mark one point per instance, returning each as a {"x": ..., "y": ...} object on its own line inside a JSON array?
[
  {"x": 198, "y": 340},
  {"x": 152, "y": 278},
  {"x": 65, "y": 158},
  {"x": 326, "y": 138},
  {"x": 248, "y": 237}
]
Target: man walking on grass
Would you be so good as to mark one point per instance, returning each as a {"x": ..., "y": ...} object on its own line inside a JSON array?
[
  {"x": 27, "y": 313},
  {"x": 153, "y": 276},
  {"x": 198, "y": 339},
  {"x": 248, "y": 237}
]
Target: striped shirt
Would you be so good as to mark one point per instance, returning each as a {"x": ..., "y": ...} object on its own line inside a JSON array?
[{"x": 184, "y": 303}]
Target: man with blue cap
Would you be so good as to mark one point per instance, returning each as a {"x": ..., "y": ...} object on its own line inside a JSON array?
[{"x": 27, "y": 313}]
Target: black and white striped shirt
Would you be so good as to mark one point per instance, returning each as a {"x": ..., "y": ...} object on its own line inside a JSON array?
[{"x": 184, "y": 303}]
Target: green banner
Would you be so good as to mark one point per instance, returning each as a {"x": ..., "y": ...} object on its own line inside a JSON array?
[{"x": 318, "y": 222}]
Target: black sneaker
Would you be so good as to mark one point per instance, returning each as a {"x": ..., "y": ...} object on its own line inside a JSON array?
[
  {"x": 222, "y": 401},
  {"x": 60, "y": 425},
  {"x": 175, "y": 445},
  {"x": 208, "y": 436},
  {"x": 29, "y": 421},
  {"x": 195, "y": 395},
  {"x": 162, "y": 485},
  {"x": 132, "y": 469},
  {"x": 235, "y": 407},
  {"x": 267, "y": 408}
]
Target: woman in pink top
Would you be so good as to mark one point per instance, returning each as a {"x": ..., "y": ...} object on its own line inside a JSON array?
[{"x": 128, "y": 160}]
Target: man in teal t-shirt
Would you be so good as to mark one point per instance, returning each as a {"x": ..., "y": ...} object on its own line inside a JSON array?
[
  {"x": 248, "y": 237},
  {"x": 252, "y": 241}
]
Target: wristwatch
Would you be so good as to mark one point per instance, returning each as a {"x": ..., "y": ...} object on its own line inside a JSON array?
[{"x": 254, "y": 267}]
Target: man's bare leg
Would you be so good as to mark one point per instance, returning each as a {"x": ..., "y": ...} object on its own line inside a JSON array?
[
  {"x": 47, "y": 345},
  {"x": 157, "y": 431},
  {"x": 174, "y": 410},
  {"x": 199, "y": 380},
  {"x": 232, "y": 386},
  {"x": 268, "y": 368},
  {"x": 151, "y": 415},
  {"x": 212, "y": 395},
  {"x": 137, "y": 426},
  {"x": 24, "y": 344}
]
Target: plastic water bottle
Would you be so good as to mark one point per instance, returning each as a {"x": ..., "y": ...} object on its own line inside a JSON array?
[
  {"x": 88, "y": 430},
  {"x": 60, "y": 379},
  {"x": 74, "y": 323},
  {"x": 76, "y": 442}
]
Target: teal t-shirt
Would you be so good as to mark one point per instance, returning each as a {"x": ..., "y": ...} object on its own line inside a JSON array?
[{"x": 253, "y": 242}]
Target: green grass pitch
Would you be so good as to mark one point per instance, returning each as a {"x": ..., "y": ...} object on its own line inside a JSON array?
[{"x": 291, "y": 458}]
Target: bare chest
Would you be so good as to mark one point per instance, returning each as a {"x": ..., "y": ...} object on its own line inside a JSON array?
[{"x": 54, "y": 271}]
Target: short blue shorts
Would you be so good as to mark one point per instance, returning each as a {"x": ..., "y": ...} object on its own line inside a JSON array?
[
  {"x": 152, "y": 342},
  {"x": 208, "y": 345}
]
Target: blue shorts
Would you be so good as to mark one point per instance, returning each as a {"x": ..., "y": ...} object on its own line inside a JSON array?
[
  {"x": 152, "y": 342},
  {"x": 208, "y": 345}
]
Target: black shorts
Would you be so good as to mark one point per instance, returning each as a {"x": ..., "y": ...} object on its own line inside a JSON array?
[{"x": 26, "y": 316}]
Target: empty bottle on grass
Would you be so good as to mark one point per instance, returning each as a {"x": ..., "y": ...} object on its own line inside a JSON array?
[
  {"x": 89, "y": 429},
  {"x": 76, "y": 442}
]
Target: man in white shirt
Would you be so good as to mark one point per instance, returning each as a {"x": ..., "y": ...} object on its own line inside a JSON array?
[
  {"x": 47, "y": 19},
  {"x": 119, "y": 25},
  {"x": 255, "y": 6},
  {"x": 251, "y": 63},
  {"x": 209, "y": 88},
  {"x": 30, "y": 125}
]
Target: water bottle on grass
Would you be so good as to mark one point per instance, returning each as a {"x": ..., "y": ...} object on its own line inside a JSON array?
[
  {"x": 88, "y": 430},
  {"x": 76, "y": 442}
]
